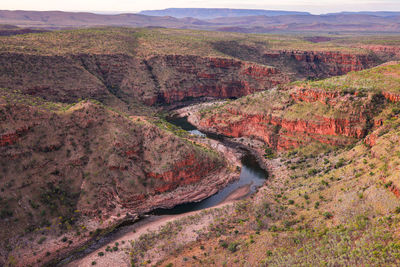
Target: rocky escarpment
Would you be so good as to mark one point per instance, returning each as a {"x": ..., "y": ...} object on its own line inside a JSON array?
[
  {"x": 283, "y": 134},
  {"x": 337, "y": 111},
  {"x": 121, "y": 79},
  {"x": 323, "y": 64},
  {"x": 303, "y": 64},
  {"x": 183, "y": 77},
  {"x": 116, "y": 79},
  {"x": 70, "y": 171},
  {"x": 392, "y": 97},
  {"x": 295, "y": 118},
  {"x": 388, "y": 50}
]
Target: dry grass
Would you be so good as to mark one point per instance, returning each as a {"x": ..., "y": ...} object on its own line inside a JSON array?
[
  {"x": 385, "y": 78},
  {"x": 330, "y": 208},
  {"x": 146, "y": 42}
]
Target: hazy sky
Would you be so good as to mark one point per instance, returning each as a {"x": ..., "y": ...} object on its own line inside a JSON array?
[{"x": 314, "y": 6}]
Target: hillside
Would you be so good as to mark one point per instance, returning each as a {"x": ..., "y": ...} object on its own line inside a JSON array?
[
  {"x": 60, "y": 19},
  {"x": 338, "y": 207},
  {"x": 124, "y": 67},
  {"x": 210, "y": 13},
  {"x": 245, "y": 21},
  {"x": 335, "y": 111},
  {"x": 85, "y": 146},
  {"x": 324, "y": 204},
  {"x": 70, "y": 172},
  {"x": 8, "y": 30}
]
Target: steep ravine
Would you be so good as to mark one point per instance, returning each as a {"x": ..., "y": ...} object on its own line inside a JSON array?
[
  {"x": 91, "y": 169},
  {"x": 252, "y": 176},
  {"x": 295, "y": 117},
  {"x": 166, "y": 79}
]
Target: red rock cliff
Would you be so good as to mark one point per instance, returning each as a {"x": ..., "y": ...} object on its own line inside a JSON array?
[
  {"x": 319, "y": 64},
  {"x": 166, "y": 78},
  {"x": 183, "y": 77},
  {"x": 281, "y": 132}
]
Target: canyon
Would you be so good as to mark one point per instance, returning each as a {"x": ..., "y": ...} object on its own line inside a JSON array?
[
  {"x": 85, "y": 146},
  {"x": 118, "y": 79},
  {"x": 296, "y": 119},
  {"x": 79, "y": 169},
  {"x": 129, "y": 70}
]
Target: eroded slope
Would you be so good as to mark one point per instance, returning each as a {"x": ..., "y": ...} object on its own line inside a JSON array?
[
  {"x": 323, "y": 204},
  {"x": 336, "y": 111},
  {"x": 70, "y": 171},
  {"x": 121, "y": 66}
]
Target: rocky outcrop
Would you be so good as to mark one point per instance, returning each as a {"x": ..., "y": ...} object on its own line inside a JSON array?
[
  {"x": 187, "y": 171},
  {"x": 392, "y": 187},
  {"x": 389, "y": 50},
  {"x": 318, "y": 64},
  {"x": 283, "y": 134},
  {"x": 392, "y": 97},
  {"x": 11, "y": 138},
  {"x": 313, "y": 94},
  {"x": 303, "y": 64},
  {"x": 118, "y": 79},
  {"x": 324, "y": 63},
  {"x": 371, "y": 139},
  {"x": 185, "y": 77},
  {"x": 88, "y": 168},
  {"x": 289, "y": 118}
]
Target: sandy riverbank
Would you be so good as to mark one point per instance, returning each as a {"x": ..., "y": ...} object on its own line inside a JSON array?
[{"x": 152, "y": 223}]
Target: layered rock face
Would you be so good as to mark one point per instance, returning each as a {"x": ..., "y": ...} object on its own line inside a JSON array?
[
  {"x": 390, "y": 50},
  {"x": 392, "y": 97},
  {"x": 313, "y": 64},
  {"x": 183, "y": 77},
  {"x": 122, "y": 78},
  {"x": 303, "y": 64},
  {"x": 296, "y": 117},
  {"x": 282, "y": 134},
  {"x": 86, "y": 167},
  {"x": 119, "y": 79}
]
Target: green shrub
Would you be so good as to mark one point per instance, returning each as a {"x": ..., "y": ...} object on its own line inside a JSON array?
[
  {"x": 41, "y": 240},
  {"x": 233, "y": 247},
  {"x": 340, "y": 163},
  {"x": 224, "y": 244},
  {"x": 269, "y": 153}
]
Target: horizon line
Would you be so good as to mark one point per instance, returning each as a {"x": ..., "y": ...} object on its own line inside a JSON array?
[{"x": 104, "y": 12}]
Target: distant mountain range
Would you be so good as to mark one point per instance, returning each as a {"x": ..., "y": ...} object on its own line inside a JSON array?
[
  {"x": 226, "y": 20},
  {"x": 211, "y": 13},
  {"x": 373, "y": 13}
]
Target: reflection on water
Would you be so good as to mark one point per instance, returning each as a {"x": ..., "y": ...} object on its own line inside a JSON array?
[{"x": 251, "y": 174}]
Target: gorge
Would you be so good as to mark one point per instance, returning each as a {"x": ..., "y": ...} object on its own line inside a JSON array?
[{"x": 88, "y": 144}]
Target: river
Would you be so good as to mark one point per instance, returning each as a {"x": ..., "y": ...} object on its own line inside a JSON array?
[{"x": 251, "y": 175}]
